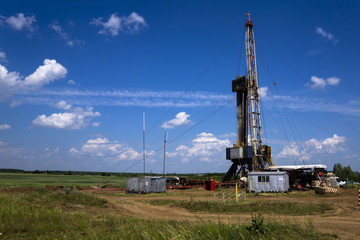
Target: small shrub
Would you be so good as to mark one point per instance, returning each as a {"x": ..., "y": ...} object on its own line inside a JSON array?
[
  {"x": 258, "y": 225},
  {"x": 352, "y": 185}
]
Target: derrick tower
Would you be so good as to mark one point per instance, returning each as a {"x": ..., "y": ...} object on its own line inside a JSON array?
[{"x": 247, "y": 154}]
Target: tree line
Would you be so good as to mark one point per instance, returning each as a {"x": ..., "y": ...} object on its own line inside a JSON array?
[{"x": 346, "y": 173}]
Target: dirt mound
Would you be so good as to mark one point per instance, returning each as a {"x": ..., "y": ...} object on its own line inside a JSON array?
[
  {"x": 53, "y": 188},
  {"x": 18, "y": 190}
]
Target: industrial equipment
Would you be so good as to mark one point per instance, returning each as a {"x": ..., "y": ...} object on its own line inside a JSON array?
[{"x": 247, "y": 154}]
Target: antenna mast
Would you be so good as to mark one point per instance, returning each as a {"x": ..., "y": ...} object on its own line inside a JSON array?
[
  {"x": 164, "y": 151},
  {"x": 144, "y": 142}
]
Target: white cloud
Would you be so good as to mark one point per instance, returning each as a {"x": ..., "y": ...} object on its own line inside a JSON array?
[
  {"x": 328, "y": 36},
  {"x": 313, "y": 147},
  {"x": 63, "y": 105},
  {"x": 228, "y": 135},
  {"x": 10, "y": 152},
  {"x": 130, "y": 24},
  {"x": 50, "y": 71},
  {"x": 19, "y": 22},
  {"x": 65, "y": 36},
  {"x": 263, "y": 91},
  {"x": 180, "y": 119},
  {"x": 321, "y": 83},
  {"x": 74, "y": 119},
  {"x": 95, "y": 124},
  {"x": 205, "y": 147},
  {"x": 2, "y": 56},
  {"x": 143, "y": 98},
  {"x": 11, "y": 82},
  {"x": 289, "y": 151},
  {"x": 5, "y": 126},
  {"x": 333, "y": 81},
  {"x": 329, "y": 145},
  {"x": 71, "y": 82},
  {"x": 103, "y": 148},
  {"x": 129, "y": 154}
]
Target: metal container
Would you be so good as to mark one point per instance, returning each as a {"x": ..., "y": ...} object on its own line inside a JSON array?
[
  {"x": 268, "y": 181},
  {"x": 145, "y": 185},
  {"x": 239, "y": 152}
]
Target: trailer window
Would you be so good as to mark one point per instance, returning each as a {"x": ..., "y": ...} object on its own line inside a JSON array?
[{"x": 263, "y": 179}]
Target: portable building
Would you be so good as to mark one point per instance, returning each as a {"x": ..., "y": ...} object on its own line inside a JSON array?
[
  {"x": 303, "y": 175},
  {"x": 268, "y": 181},
  {"x": 145, "y": 185}
]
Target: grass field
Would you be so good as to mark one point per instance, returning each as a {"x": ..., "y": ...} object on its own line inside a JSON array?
[
  {"x": 268, "y": 207},
  {"x": 34, "y": 206},
  {"x": 41, "y": 180},
  {"x": 41, "y": 214}
]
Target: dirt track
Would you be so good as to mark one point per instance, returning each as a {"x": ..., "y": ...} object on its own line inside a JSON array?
[{"x": 344, "y": 221}]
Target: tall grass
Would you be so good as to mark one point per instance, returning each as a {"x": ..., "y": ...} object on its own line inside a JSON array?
[
  {"x": 64, "y": 197},
  {"x": 264, "y": 207},
  {"x": 28, "y": 216}
]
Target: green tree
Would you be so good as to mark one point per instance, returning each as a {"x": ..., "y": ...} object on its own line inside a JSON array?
[{"x": 345, "y": 173}]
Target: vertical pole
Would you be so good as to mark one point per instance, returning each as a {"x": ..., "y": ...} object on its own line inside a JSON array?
[
  {"x": 164, "y": 151},
  {"x": 359, "y": 196},
  {"x": 249, "y": 184},
  {"x": 236, "y": 192},
  {"x": 144, "y": 142}
]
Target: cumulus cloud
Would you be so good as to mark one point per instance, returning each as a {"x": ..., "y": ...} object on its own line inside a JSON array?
[
  {"x": 50, "y": 71},
  {"x": 63, "y": 105},
  {"x": 103, "y": 148},
  {"x": 5, "y": 126},
  {"x": 321, "y": 83},
  {"x": 19, "y": 22},
  {"x": 130, "y": 24},
  {"x": 328, "y": 36},
  {"x": 263, "y": 91},
  {"x": 11, "y": 82},
  {"x": 313, "y": 147},
  {"x": 180, "y": 119},
  {"x": 64, "y": 36},
  {"x": 291, "y": 150},
  {"x": 129, "y": 154},
  {"x": 74, "y": 118},
  {"x": 205, "y": 147},
  {"x": 333, "y": 144}
]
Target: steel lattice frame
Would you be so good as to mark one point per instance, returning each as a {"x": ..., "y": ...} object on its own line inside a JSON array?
[{"x": 253, "y": 91}]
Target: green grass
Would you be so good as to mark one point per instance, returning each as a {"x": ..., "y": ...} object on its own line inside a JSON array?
[
  {"x": 65, "y": 197},
  {"x": 263, "y": 207},
  {"x": 40, "y": 180},
  {"x": 28, "y": 216}
]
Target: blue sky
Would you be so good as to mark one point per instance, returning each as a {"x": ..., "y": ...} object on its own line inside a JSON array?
[{"x": 76, "y": 77}]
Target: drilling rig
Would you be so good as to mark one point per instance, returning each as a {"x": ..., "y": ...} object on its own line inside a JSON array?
[{"x": 247, "y": 154}]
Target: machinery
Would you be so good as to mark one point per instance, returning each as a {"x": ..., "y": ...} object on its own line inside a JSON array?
[{"x": 248, "y": 154}]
